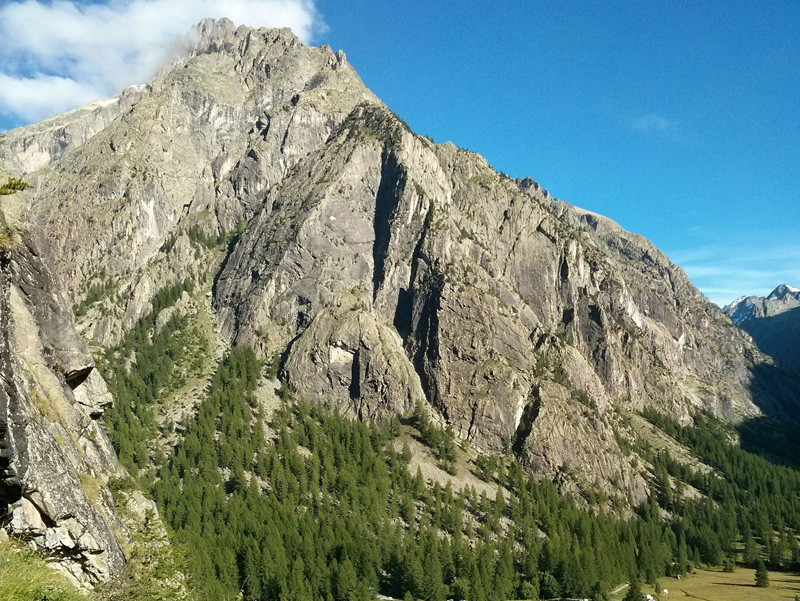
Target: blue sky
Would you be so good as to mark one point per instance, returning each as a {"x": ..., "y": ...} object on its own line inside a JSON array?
[{"x": 679, "y": 120}]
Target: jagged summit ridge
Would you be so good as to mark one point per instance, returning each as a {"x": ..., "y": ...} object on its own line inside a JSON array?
[
  {"x": 783, "y": 298},
  {"x": 223, "y": 36}
]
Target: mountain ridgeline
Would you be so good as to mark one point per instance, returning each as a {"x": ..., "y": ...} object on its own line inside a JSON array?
[
  {"x": 773, "y": 322},
  {"x": 345, "y": 360}
]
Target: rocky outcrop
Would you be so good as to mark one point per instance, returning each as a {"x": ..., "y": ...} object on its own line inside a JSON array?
[
  {"x": 56, "y": 458},
  {"x": 10, "y": 484},
  {"x": 773, "y": 322},
  {"x": 350, "y": 360}
]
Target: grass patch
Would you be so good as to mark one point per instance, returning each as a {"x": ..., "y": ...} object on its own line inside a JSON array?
[
  {"x": 9, "y": 239},
  {"x": 44, "y": 406},
  {"x": 25, "y": 576},
  {"x": 711, "y": 585},
  {"x": 92, "y": 488}
]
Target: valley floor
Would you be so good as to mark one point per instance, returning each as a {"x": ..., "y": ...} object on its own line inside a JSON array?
[{"x": 712, "y": 585}]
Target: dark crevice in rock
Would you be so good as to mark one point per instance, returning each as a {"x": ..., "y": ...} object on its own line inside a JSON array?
[
  {"x": 595, "y": 337},
  {"x": 282, "y": 372},
  {"x": 45, "y": 516},
  {"x": 564, "y": 269},
  {"x": 355, "y": 377},
  {"x": 426, "y": 356},
  {"x": 390, "y": 191},
  {"x": 529, "y": 415},
  {"x": 512, "y": 251},
  {"x": 595, "y": 315},
  {"x": 473, "y": 422},
  {"x": 263, "y": 125},
  {"x": 404, "y": 314},
  {"x": 78, "y": 377},
  {"x": 303, "y": 318},
  {"x": 286, "y": 136},
  {"x": 283, "y": 358},
  {"x": 541, "y": 229}
]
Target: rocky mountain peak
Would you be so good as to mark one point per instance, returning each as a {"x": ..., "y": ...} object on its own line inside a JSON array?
[
  {"x": 773, "y": 322},
  {"x": 784, "y": 292},
  {"x": 213, "y": 29},
  {"x": 783, "y": 298},
  {"x": 222, "y": 35}
]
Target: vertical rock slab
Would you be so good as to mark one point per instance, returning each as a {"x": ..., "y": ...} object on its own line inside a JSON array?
[{"x": 56, "y": 458}]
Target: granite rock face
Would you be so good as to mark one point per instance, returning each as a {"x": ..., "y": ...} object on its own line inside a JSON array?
[
  {"x": 523, "y": 320},
  {"x": 200, "y": 143},
  {"x": 384, "y": 269},
  {"x": 56, "y": 458},
  {"x": 773, "y": 322}
]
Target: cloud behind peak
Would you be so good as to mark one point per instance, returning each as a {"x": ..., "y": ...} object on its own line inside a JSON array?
[{"x": 59, "y": 55}]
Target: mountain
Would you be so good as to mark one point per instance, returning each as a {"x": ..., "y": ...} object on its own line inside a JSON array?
[
  {"x": 257, "y": 195},
  {"x": 773, "y": 322}
]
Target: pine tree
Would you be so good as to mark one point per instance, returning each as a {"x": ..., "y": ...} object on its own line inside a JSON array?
[
  {"x": 683, "y": 556},
  {"x": 762, "y": 575},
  {"x": 599, "y": 592},
  {"x": 728, "y": 565},
  {"x": 634, "y": 591},
  {"x": 750, "y": 551},
  {"x": 550, "y": 587}
]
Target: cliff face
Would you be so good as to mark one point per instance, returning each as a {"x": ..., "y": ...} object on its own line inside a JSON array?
[
  {"x": 56, "y": 458},
  {"x": 386, "y": 270},
  {"x": 398, "y": 271}
]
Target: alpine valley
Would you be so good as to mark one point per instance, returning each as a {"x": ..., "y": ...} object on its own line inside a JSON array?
[{"x": 262, "y": 341}]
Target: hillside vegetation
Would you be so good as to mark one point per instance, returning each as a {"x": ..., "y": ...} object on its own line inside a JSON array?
[{"x": 306, "y": 504}]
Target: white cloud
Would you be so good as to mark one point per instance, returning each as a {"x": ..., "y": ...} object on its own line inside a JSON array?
[
  {"x": 58, "y": 55},
  {"x": 43, "y": 94},
  {"x": 656, "y": 123},
  {"x": 659, "y": 127}
]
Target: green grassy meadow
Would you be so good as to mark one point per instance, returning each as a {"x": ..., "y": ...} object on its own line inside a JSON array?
[{"x": 711, "y": 585}]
